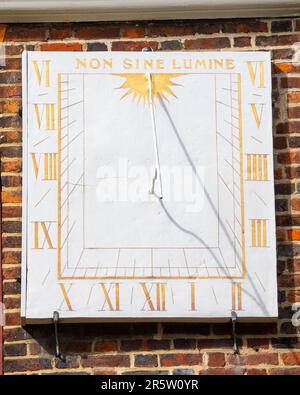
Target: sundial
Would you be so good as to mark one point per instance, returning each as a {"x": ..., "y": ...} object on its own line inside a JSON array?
[{"x": 148, "y": 186}]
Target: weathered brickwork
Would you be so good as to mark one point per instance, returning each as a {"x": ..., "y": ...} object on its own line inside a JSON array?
[{"x": 272, "y": 348}]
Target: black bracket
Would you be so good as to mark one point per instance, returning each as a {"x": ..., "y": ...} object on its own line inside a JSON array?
[
  {"x": 233, "y": 321},
  {"x": 147, "y": 49},
  {"x": 57, "y": 347}
]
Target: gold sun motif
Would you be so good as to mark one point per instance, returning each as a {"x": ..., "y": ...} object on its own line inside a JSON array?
[{"x": 138, "y": 86}]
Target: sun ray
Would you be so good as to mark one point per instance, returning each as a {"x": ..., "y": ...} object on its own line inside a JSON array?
[{"x": 138, "y": 86}]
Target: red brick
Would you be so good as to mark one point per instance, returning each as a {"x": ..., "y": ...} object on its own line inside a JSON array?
[
  {"x": 286, "y": 68},
  {"x": 292, "y": 171},
  {"x": 256, "y": 372},
  {"x": 70, "y": 362},
  {"x": 291, "y": 358},
  {"x": 12, "y": 302},
  {"x": 132, "y": 31},
  {"x": 2, "y": 32},
  {"x": 182, "y": 344},
  {"x": 22, "y": 365},
  {"x": 287, "y": 328},
  {"x": 13, "y": 136},
  {"x": 60, "y": 32},
  {"x": 11, "y": 181},
  {"x": 294, "y": 234},
  {"x": 10, "y": 106},
  {"x": 106, "y": 346},
  {"x": 273, "y": 41},
  {"x": 293, "y": 265},
  {"x": 284, "y": 371},
  {"x": 11, "y": 196},
  {"x": 293, "y": 97},
  {"x": 105, "y": 372},
  {"x": 244, "y": 26},
  {"x": 297, "y": 24},
  {"x": 14, "y": 350},
  {"x": 257, "y": 343},
  {"x": 158, "y": 29},
  {"x": 61, "y": 47},
  {"x": 147, "y": 360},
  {"x": 294, "y": 296},
  {"x": 289, "y": 281},
  {"x": 216, "y": 359},
  {"x": 253, "y": 359},
  {"x": 13, "y": 166},
  {"x": 7, "y": 91},
  {"x": 11, "y": 241},
  {"x": 106, "y": 360},
  {"x": 11, "y": 273},
  {"x": 242, "y": 42},
  {"x": 26, "y": 32},
  {"x": 11, "y": 257},
  {"x": 289, "y": 157},
  {"x": 207, "y": 43},
  {"x": 280, "y": 142},
  {"x": 11, "y": 288},
  {"x": 207, "y": 26},
  {"x": 171, "y": 45},
  {"x": 12, "y": 319},
  {"x": 10, "y": 77},
  {"x": 290, "y": 82},
  {"x": 282, "y": 25},
  {"x": 94, "y": 31},
  {"x": 13, "y": 64},
  {"x": 294, "y": 112},
  {"x": 15, "y": 334},
  {"x": 133, "y": 45},
  {"x": 180, "y": 359},
  {"x": 222, "y": 371},
  {"x": 280, "y": 54}
]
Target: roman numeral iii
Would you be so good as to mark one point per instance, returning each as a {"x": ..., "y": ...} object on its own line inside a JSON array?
[{"x": 259, "y": 232}]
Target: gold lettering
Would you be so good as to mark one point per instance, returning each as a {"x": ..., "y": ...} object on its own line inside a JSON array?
[
  {"x": 45, "y": 228},
  {"x": 108, "y": 300},
  {"x": 158, "y": 301},
  {"x": 258, "y": 68},
  {"x": 257, "y": 116},
  {"x": 39, "y": 73}
]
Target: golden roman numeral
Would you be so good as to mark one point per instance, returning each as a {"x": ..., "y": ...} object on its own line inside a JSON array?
[
  {"x": 259, "y": 232},
  {"x": 257, "y": 113},
  {"x": 236, "y": 295},
  {"x": 158, "y": 301},
  {"x": 50, "y": 165},
  {"x": 45, "y": 70},
  {"x": 45, "y": 116},
  {"x": 257, "y": 167},
  {"x": 108, "y": 301},
  {"x": 193, "y": 299},
  {"x": 38, "y": 243},
  {"x": 257, "y": 73},
  {"x": 66, "y": 297}
]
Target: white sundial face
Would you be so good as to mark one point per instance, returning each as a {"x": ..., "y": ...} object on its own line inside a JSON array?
[{"x": 149, "y": 186}]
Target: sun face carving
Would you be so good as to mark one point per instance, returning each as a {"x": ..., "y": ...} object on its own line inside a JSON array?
[{"x": 137, "y": 85}]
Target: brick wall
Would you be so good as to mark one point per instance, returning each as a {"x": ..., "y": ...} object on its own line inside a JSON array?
[{"x": 272, "y": 348}]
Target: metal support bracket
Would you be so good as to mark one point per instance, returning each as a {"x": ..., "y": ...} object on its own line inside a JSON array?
[
  {"x": 233, "y": 321},
  {"x": 57, "y": 347},
  {"x": 147, "y": 49}
]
